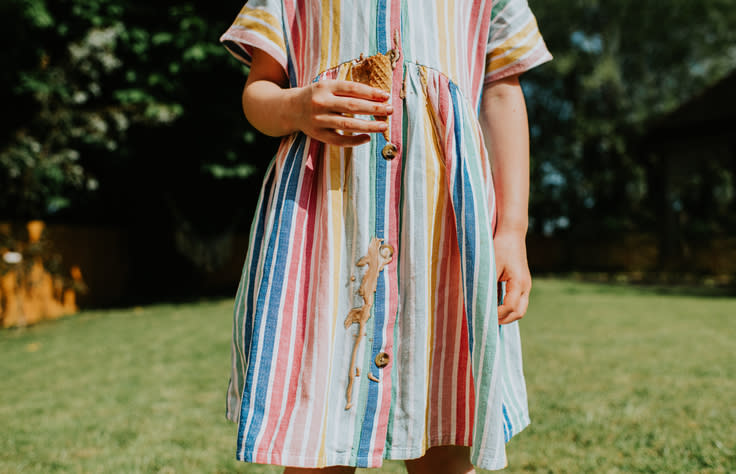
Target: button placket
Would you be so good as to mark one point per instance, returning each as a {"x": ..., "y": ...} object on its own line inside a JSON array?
[{"x": 391, "y": 150}]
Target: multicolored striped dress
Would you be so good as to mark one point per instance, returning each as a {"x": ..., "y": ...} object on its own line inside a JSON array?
[{"x": 413, "y": 214}]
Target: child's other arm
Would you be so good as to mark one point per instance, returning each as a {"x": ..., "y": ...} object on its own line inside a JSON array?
[
  {"x": 506, "y": 132},
  {"x": 319, "y": 110}
]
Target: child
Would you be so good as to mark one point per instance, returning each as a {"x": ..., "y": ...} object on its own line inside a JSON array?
[{"x": 367, "y": 322}]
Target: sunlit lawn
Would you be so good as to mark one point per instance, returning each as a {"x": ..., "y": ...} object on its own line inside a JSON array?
[{"x": 620, "y": 380}]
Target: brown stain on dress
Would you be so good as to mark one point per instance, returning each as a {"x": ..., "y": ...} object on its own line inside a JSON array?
[{"x": 377, "y": 257}]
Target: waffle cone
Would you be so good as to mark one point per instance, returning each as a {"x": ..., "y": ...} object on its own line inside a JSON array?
[{"x": 375, "y": 71}]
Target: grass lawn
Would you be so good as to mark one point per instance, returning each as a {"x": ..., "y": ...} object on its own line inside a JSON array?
[{"x": 620, "y": 379}]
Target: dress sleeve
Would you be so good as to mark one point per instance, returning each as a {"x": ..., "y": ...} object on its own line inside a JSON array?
[
  {"x": 258, "y": 25},
  {"x": 514, "y": 42}
]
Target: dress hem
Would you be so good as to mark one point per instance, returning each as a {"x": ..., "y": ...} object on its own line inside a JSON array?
[{"x": 487, "y": 462}]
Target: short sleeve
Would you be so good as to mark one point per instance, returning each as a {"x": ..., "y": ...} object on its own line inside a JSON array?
[
  {"x": 258, "y": 25},
  {"x": 514, "y": 41}
]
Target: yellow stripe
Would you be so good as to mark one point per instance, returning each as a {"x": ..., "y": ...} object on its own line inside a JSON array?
[
  {"x": 263, "y": 15},
  {"x": 263, "y": 30},
  {"x": 512, "y": 41},
  {"x": 439, "y": 227},
  {"x": 335, "y": 190},
  {"x": 443, "y": 36},
  {"x": 453, "y": 73},
  {"x": 325, "y": 33},
  {"x": 513, "y": 54},
  {"x": 436, "y": 200},
  {"x": 431, "y": 280},
  {"x": 335, "y": 37}
]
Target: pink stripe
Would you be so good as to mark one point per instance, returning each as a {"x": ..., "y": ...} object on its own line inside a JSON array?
[
  {"x": 320, "y": 315},
  {"x": 445, "y": 301},
  {"x": 305, "y": 218},
  {"x": 440, "y": 102},
  {"x": 392, "y": 232},
  {"x": 453, "y": 395},
  {"x": 479, "y": 54},
  {"x": 247, "y": 39},
  {"x": 315, "y": 28},
  {"x": 448, "y": 120},
  {"x": 440, "y": 302},
  {"x": 463, "y": 385},
  {"x": 293, "y": 38},
  {"x": 300, "y": 48},
  {"x": 455, "y": 310}
]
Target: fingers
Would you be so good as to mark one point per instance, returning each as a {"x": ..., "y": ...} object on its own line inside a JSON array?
[
  {"x": 524, "y": 303},
  {"x": 332, "y": 109},
  {"x": 510, "y": 299},
  {"x": 349, "y": 124},
  {"x": 515, "y": 302},
  {"x": 344, "y": 105},
  {"x": 513, "y": 316},
  {"x": 356, "y": 89},
  {"x": 331, "y": 137}
]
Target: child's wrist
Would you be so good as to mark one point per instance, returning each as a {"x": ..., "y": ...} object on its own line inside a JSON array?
[
  {"x": 512, "y": 228},
  {"x": 292, "y": 109}
]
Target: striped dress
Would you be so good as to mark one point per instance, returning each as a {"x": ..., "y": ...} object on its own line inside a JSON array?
[{"x": 414, "y": 214}]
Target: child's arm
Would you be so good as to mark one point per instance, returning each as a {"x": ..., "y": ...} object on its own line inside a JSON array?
[
  {"x": 506, "y": 132},
  {"x": 317, "y": 110}
]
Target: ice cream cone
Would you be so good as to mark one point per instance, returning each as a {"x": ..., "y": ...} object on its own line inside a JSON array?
[{"x": 375, "y": 71}]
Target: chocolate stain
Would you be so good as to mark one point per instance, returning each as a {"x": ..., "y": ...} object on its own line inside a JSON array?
[{"x": 377, "y": 257}]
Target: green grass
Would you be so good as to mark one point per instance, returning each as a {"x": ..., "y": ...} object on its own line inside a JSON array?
[{"x": 620, "y": 380}]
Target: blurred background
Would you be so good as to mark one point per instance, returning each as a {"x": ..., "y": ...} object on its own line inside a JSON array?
[{"x": 128, "y": 179}]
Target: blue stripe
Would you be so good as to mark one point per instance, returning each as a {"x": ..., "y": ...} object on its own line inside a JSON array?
[
  {"x": 379, "y": 315},
  {"x": 464, "y": 207},
  {"x": 285, "y": 202},
  {"x": 507, "y": 428},
  {"x": 289, "y": 62},
  {"x": 381, "y": 27},
  {"x": 255, "y": 251}
]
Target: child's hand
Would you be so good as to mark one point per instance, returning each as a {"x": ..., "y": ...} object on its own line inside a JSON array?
[
  {"x": 323, "y": 110},
  {"x": 513, "y": 268}
]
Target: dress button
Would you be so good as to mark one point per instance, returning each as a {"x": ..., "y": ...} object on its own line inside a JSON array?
[
  {"x": 382, "y": 359},
  {"x": 389, "y": 151}
]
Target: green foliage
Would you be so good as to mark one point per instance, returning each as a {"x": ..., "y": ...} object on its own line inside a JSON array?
[
  {"x": 141, "y": 390},
  {"x": 110, "y": 99},
  {"x": 89, "y": 77},
  {"x": 618, "y": 65},
  {"x": 41, "y": 160}
]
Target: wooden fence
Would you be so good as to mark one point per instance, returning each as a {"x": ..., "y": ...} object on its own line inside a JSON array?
[{"x": 121, "y": 268}]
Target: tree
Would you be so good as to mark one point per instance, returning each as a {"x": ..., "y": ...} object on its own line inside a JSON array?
[
  {"x": 618, "y": 65},
  {"x": 102, "y": 84}
]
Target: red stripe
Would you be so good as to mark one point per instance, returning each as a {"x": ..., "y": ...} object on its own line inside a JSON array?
[
  {"x": 392, "y": 233},
  {"x": 307, "y": 213},
  {"x": 320, "y": 313},
  {"x": 479, "y": 53},
  {"x": 435, "y": 379},
  {"x": 463, "y": 375},
  {"x": 315, "y": 27},
  {"x": 449, "y": 394},
  {"x": 294, "y": 40}
]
